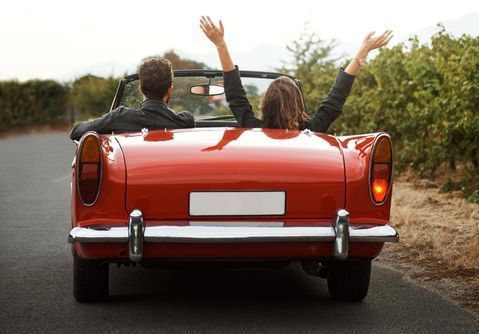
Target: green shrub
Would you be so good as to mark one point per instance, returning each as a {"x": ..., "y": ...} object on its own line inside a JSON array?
[
  {"x": 32, "y": 102},
  {"x": 91, "y": 96}
]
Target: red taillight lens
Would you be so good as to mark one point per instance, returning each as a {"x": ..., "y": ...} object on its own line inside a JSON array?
[
  {"x": 89, "y": 169},
  {"x": 381, "y": 169}
]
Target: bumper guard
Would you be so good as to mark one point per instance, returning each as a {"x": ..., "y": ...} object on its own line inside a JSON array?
[{"x": 340, "y": 233}]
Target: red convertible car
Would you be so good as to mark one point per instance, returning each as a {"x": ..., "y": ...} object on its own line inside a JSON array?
[{"x": 218, "y": 193}]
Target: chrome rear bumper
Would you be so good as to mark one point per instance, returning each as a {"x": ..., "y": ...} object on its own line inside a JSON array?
[{"x": 136, "y": 233}]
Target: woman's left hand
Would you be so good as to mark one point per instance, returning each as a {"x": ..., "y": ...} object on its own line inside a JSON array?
[{"x": 372, "y": 42}]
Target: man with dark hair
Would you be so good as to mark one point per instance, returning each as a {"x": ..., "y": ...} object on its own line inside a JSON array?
[{"x": 156, "y": 87}]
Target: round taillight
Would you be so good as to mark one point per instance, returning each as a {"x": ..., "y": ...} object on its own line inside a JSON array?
[
  {"x": 89, "y": 168},
  {"x": 381, "y": 169}
]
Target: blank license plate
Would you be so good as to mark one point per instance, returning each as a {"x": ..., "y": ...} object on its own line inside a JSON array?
[{"x": 237, "y": 203}]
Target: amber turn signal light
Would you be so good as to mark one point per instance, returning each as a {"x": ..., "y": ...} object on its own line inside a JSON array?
[
  {"x": 89, "y": 169},
  {"x": 90, "y": 150}
]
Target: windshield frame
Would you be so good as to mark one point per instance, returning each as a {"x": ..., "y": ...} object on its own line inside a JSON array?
[{"x": 196, "y": 73}]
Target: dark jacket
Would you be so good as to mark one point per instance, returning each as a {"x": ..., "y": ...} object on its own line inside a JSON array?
[
  {"x": 327, "y": 112},
  {"x": 153, "y": 114}
]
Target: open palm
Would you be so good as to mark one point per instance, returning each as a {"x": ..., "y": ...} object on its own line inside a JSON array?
[
  {"x": 372, "y": 42},
  {"x": 214, "y": 33}
]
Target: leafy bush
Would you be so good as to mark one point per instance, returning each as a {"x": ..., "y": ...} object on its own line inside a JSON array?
[
  {"x": 474, "y": 197},
  {"x": 32, "y": 102},
  {"x": 452, "y": 186},
  {"x": 91, "y": 96}
]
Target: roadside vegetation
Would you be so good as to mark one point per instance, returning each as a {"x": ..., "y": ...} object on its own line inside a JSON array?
[
  {"x": 38, "y": 102},
  {"x": 442, "y": 223},
  {"x": 439, "y": 236}
]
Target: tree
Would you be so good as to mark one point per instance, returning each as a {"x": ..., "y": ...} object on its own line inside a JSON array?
[
  {"x": 91, "y": 96},
  {"x": 313, "y": 65},
  {"x": 182, "y": 63}
]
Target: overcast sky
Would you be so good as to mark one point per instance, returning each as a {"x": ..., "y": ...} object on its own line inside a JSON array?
[{"x": 62, "y": 39}]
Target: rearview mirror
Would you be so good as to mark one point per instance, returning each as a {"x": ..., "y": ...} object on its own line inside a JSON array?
[{"x": 207, "y": 90}]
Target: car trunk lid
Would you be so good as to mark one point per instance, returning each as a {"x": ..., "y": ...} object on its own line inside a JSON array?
[{"x": 186, "y": 174}]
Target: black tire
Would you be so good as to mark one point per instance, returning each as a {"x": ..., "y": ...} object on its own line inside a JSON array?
[
  {"x": 349, "y": 280},
  {"x": 90, "y": 280}
]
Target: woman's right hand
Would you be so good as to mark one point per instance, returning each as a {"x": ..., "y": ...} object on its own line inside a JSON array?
[
  {"x": 214, "y": 33},
  {"x": 372, "y": 42}
]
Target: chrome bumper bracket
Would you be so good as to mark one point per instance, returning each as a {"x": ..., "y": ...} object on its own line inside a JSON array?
[
  {"x": 341, "y": 229},
  {"x": 136, "y": 232}
]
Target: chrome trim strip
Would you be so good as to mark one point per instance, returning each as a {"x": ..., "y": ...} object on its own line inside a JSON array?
[
  {"x": 383, "y": 233},
  {"x": 85, "y": 234},
  {"x": 207, "y": 233},
  {"x": 136, "y": 231},
  {"x": 236, "y": 224},
  {"x": 341, "y": 229}
]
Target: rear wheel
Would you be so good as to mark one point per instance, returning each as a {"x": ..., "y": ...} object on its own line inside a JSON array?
[
  {"x": 90, "y": 280},
  {"x": 349, "y": 280}
]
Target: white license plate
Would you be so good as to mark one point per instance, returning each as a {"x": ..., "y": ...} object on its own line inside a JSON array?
[{"x": 237, "y": 203}]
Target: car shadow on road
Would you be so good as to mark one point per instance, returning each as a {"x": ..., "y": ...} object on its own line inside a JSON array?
[
  {"x": 215, "y": 284},
  {"x": 221, "y": 299}
]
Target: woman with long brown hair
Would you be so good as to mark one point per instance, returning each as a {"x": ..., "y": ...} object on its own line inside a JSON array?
[{"x": 282, "y": 106}]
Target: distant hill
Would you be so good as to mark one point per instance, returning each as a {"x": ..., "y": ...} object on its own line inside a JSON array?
[{"x": 467, "y": 24}]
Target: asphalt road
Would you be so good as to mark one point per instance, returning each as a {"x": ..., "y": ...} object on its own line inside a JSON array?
[{"x": 36, "y": 276}]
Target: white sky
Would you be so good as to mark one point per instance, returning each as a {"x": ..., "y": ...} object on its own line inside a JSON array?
[{"x": 61, "y": 39}]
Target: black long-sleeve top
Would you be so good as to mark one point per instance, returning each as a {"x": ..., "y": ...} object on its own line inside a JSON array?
[
  {"x": 328, "y": 110},
  {"x": 152, "y": 114}
]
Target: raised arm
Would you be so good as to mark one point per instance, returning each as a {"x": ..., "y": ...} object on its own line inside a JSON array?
[
  {"x": 216, "y": 35},
  {"x": 332, "y": 106},
  {"x": 234, "y": 90},
  {"x": 370, "y": 43}
]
